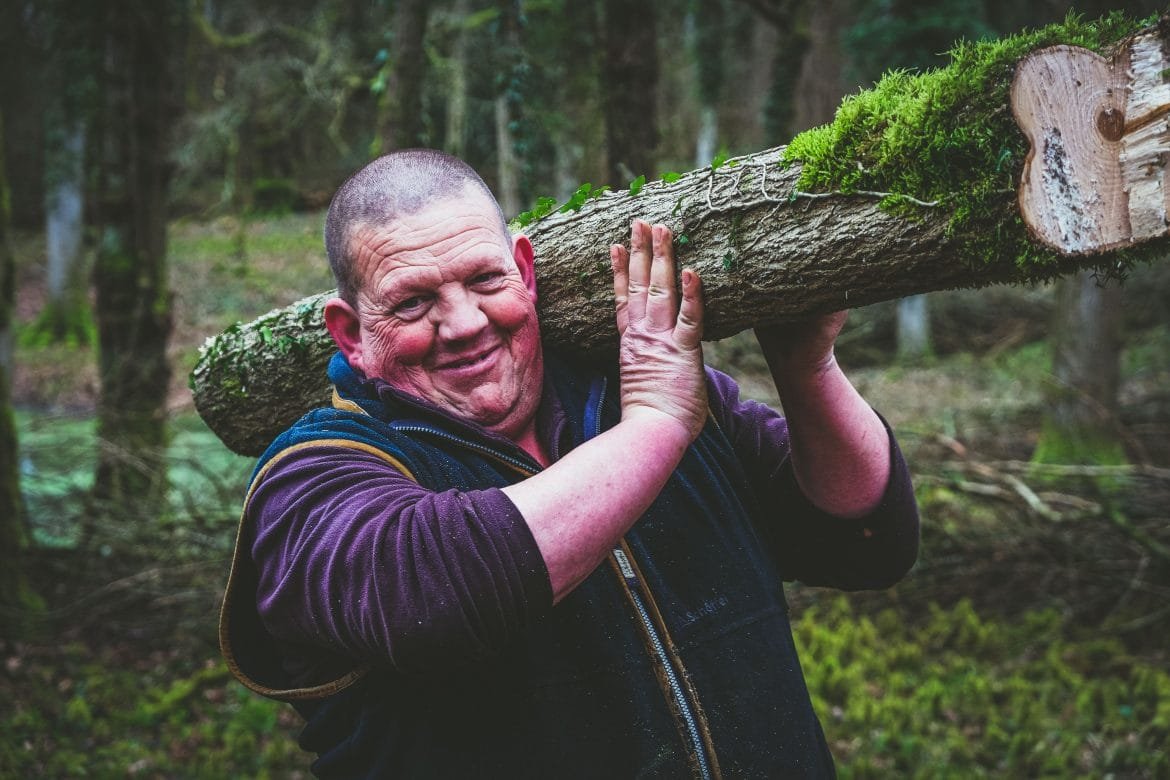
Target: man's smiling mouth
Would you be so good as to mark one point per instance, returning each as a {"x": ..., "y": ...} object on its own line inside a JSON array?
[{"x": 470, "y": 361}]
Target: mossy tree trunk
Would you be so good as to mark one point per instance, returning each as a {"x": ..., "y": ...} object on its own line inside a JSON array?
[{"x": 142, "y": 42}]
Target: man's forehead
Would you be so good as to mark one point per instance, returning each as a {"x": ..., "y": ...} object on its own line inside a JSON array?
[{"x": 442, "y": 220}]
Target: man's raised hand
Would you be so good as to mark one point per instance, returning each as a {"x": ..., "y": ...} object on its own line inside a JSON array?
[{"x": 661, "y": 354}]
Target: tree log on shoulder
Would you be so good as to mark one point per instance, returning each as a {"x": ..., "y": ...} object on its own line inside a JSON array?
[{"x": 924, "y": 183}]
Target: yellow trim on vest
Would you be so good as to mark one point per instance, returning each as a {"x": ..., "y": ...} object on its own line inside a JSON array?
[
  {"x": 225, "y": 642},
  {"x": 347, "y": 405}
]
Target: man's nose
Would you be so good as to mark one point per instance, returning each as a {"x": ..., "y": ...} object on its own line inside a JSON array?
[{"x": 460, "y": 318}]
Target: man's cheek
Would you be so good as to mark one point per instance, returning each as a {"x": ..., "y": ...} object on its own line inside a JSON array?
[
  {"x": 512, "y": 312},
  {"x": 403, "y": 347}
]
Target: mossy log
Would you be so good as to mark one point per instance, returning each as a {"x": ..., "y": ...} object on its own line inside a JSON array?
[{"x": 916, "y": 186}]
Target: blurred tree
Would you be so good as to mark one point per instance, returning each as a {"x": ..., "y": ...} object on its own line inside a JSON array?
[
  {"x": 511, "y": 71},
  {"x": 25, "y": 95},
  {"x": 142, "y": 47},
  {"x": 13, "y": 588},
  {"x": 455, "y": 137},
  {"x": 282, "y": 102},
  {"x": 910, "y": 35},
  {"x": 710, "y": 34},
  {"x": 1080, "y": 416},
  {"x": 630, "y": 89},
  {"x": 70, "y": 81},
  {"x": 400, "y": 114},
  {"x": 817, "y": 60},
  {"x": 564, "y": 121},
  {"x": 790, "y": 20}
]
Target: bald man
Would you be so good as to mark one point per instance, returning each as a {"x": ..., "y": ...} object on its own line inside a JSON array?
[{"x": 488, "y": 560}]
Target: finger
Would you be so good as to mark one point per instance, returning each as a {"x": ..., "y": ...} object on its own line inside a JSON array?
[
  {"x": 688, "y": 330},
  {"x": 639, "y": 269},
  {"x": 619, "y": 259},
  {"x": 662, "y": 295}
]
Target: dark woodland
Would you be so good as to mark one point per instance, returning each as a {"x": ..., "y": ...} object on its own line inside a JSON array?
[{"x": 164, "y": 170}]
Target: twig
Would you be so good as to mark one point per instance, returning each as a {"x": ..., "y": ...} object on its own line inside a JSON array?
[
  {"x": 1031, "y": 499},
  {"x": 866, "y": 193}
]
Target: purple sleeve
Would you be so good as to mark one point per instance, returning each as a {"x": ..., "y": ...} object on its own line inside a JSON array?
[
  {"x": 808, "y": 544},
  {"x": 354, "y": 556}
]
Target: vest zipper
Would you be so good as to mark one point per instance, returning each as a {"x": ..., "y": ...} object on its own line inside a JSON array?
[{"x": 635, "y": 587}]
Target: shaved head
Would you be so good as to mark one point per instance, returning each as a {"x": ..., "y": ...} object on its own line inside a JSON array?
[{"x": 392, "y": 186}]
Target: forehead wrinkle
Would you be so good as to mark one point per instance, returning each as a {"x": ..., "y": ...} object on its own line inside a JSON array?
[{"x": 402, "y": 239}]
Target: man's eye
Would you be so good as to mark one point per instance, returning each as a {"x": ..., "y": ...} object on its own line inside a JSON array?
[
  {"x": 487, "y": 279},
  {"x": 410, "y": 307}
]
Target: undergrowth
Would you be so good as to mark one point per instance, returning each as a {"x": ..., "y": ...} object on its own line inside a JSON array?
[
  {"x": 957, "y": 695},
  {"x": 961, "y": 695}
]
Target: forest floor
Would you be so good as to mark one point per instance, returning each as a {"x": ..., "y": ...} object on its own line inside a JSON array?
[{"x": 1031, "y": 638}]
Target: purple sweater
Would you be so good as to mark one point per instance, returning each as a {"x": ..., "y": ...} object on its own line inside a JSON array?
[{"x": 356, "y": 557}]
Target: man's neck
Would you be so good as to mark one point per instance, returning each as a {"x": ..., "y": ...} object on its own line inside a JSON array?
[{"x": 530, "y": 442}]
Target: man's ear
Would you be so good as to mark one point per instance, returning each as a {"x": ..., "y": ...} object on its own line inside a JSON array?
[
  {"x": 525, "y": 257},
  {"x": 346, "y": 329}
]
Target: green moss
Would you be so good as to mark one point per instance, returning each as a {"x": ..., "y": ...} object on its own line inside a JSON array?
[{"x": 947, "y": 135}]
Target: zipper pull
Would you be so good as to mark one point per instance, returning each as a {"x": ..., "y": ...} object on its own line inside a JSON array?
[{"x": 624, "y": 564}]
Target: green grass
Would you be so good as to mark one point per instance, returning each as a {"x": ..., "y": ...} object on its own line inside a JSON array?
[
  {"x": 58, "y": 455},
  {"x": 963, "y": 695}
]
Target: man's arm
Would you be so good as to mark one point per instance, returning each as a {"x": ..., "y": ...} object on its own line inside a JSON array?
[
  {"x": 839, "y": 448},
  {"x": 580, "y": 506}
]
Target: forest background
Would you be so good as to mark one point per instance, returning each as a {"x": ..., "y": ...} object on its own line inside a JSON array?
[{"x": 163, "y": 169}]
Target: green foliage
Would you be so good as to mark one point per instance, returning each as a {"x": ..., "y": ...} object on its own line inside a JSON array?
[
  {"x": 274, "y": 196},
  {"x": 582, "y": 195},
  {"x": 69, "y": 322},
  {"x": 637, "y": 184},
  {"x": 586, "y": 192},
  {"x": 102, "y": 719},
  {"x": 544, "y": 206},
  {"x": 969, "y": 696},
  {"x": 945, "y": 135}
]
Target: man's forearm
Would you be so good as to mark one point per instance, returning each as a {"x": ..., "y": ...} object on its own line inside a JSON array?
[
  {"x": 579, "y": 507},
  {"x": 840, "y": 449}
]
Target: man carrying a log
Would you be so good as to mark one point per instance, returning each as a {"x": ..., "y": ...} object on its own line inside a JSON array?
[{"x": 490, "y": 560}]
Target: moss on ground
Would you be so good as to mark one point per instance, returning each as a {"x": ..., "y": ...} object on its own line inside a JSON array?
[{"x": 948, "y": 135}]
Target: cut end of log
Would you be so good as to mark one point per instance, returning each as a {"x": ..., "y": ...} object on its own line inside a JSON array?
[{"x": 1099, "y": 129}]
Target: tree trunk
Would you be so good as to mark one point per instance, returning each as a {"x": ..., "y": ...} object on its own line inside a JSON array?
[
  {"x": 401, "y": 114},
  {"x": 630, "y": 78},
  {"x": 510, "y": 70},
  {"x": 66, "y": 313},
  {"x": 141, "y": 99},
  {"x": 709, "y": 39},
  {"x": 767, "y": 252},
  {"x": 1080, "y": 416},
  {"x": 913, "y": 328},
  {"x": 14, "y": 592},
  {"x": 456, "y": 133}
]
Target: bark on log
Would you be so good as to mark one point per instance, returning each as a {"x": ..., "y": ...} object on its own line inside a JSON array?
[{"x": 767, "y": 252}]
